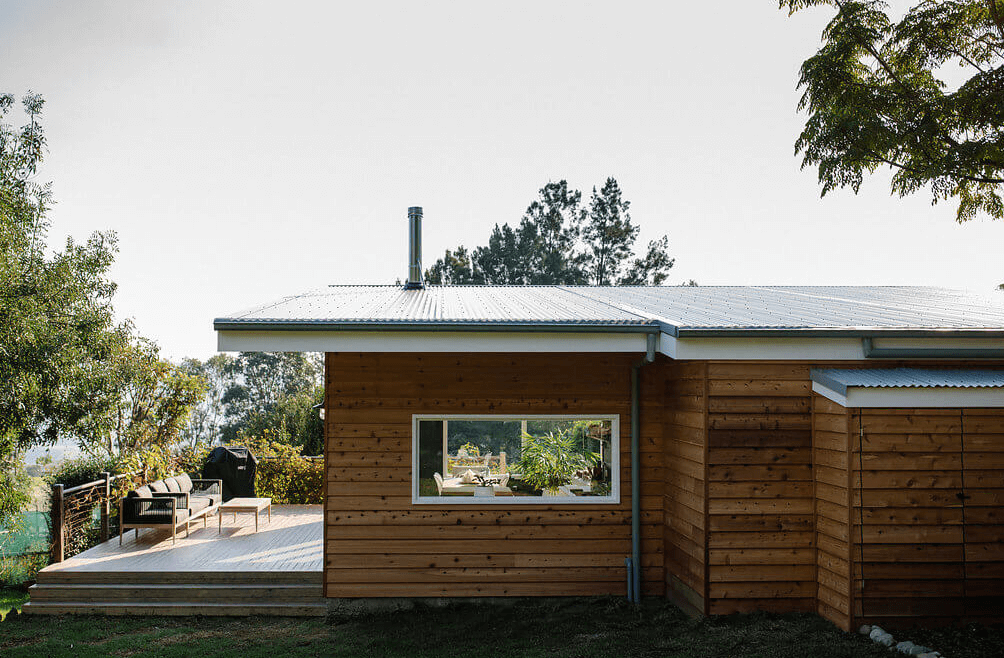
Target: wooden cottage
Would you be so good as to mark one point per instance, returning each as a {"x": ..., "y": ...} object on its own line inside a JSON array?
[{"x": 829, "y": 449}]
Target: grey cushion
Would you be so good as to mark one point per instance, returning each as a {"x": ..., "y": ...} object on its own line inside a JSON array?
[
  {"x": 158, "y": 486},
  {"x": 141, "y": 492},
  {"x": 198, "y": 503},
  {"x": 172, "y": 485},
  {"x": 184, "y": 482}
]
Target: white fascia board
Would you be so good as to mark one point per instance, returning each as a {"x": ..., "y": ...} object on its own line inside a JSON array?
[
  {"x": 753, "y": 349},
  {"x": 911, "y": 397},
  {"x": 803, "y": 349},
  {"x": 428, "y": 341}
]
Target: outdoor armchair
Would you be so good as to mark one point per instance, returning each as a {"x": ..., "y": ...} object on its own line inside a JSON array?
[{"x": 148, "y": 510}]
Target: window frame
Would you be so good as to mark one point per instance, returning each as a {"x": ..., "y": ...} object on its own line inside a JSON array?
[{"x": 456, "y": 501}]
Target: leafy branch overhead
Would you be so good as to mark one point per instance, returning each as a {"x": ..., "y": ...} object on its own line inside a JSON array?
[
  {"x": 885, "y": 92},
  {"x": 560, "y": 242}
]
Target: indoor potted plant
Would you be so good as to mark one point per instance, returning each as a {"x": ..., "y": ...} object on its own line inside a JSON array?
[{"x": 551, "y": 460}]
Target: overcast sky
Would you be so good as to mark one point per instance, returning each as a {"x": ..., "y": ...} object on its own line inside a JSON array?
[{"x": 246, "y": 150}]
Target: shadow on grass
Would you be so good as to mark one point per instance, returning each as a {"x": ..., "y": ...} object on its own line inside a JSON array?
[
  {"x": 11, "y": 599},
  {"x": 592, "y": 627}
]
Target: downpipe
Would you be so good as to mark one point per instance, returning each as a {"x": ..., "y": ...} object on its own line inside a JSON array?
[{"x": 633, "y": 563}]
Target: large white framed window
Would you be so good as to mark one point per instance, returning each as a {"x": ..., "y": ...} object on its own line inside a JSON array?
[{"x": 463, "y": 459}]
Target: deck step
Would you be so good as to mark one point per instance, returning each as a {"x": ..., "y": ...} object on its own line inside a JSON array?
[
  {"x": 156, "y": 593},
  {"x": 140, "y": 578},
  {"x": 174, "y": 609}
]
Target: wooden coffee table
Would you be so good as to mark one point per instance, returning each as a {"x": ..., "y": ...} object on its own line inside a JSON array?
[{"x": 255, "y": 505}]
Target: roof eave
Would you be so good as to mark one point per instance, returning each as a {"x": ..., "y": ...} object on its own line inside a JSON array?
[
  {"x": 233, "y": 324},
  {"x": 838, "y": 332}
]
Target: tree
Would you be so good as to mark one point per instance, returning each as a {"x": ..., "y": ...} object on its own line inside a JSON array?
[
  {"x": 609, "y": 234},
  {"x": 270, "y": 391},
  {"x": 149, "y": 401},
  {"x": 205, "y": 424},
  {"x": 557, "y": 242},
  {"x": 506, "y": 258},
  {"x": 551, "y": 228},
  {"x": 877, "y": 95},
  {"x": 57, "y": 327},
  {"x": 56, "y": 322},
  {"x": 453, "y": 268}
]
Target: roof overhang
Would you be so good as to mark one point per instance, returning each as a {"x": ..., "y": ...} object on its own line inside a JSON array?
[
  {"x": 675, "y": 342},
  {"x": 905, "y": 397},
  {"x": 418, "y": 340}
]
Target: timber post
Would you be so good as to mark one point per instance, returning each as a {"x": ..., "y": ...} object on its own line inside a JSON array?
[
  {"x": 105, "y": 501},
  {"x": 57, "y": 515}
]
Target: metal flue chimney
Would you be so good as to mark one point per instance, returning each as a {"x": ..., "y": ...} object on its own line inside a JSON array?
[{"x": 414, "y": 249}]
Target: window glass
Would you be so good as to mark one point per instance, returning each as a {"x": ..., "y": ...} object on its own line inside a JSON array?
[{"x": 554, "y": 459}]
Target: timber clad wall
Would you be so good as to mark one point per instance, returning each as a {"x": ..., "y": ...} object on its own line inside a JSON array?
[
  {"x": 760, "y": 503},
  {"x": 379, "y": 544},
  {"x": 756, "y": 493},
  {"x": 686, "y": 444},
  {"x": 929, "y": 485},
  {"x": 830, "y": 457}
]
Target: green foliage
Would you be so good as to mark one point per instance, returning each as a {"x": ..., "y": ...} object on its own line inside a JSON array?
[
  {"x": 58, "y": 328},
  {"x": 558, "y": 242},
  {"x": 878, "y": 94},
  {"x": 204, "y": 426},
  {"x": 83, "y": 469},
  {"x": 551, "y": 460},
  {"x": 15, "y": 493},
  {"x": 274, "y": 392},
  {"x": 148, "y": 402},
  {"x": 285, "y": 475}
]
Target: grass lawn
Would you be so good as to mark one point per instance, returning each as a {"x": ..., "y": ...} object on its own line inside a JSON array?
[
  {"x": 576, "y": 628},
  {"x": 10, "y": 599}
]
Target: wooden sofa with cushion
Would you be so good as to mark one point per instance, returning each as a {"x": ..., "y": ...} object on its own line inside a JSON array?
[{"x": 169, "y": 504}]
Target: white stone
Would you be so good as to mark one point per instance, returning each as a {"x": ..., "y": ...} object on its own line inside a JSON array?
[
  {"x": 876, "y": 633},
  {"x": 886, "y": 640},
  {"x": 865, "y": 630},
  {"x": 905, "y": 646}
]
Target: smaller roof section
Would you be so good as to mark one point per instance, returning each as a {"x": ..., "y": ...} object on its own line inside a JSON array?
[{"x": 910, "y": 387}]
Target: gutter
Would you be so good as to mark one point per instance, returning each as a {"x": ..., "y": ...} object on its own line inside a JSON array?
[
  {"x": 836, "y": 332},
  {"x": 231, "y": 324},
  {"x": 872, "y": 352},
  {"x": 634, "y": 562}
]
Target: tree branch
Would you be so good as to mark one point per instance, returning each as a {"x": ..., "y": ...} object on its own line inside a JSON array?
[
  {"x": 996, "y": 16},
  {"x": 965, "y": 177}
]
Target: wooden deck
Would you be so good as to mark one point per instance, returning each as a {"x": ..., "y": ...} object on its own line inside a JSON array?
[{"x": 276, "y": 570}]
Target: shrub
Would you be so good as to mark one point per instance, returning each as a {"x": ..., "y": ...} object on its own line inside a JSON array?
[
  {"x": 81, "y": 470},
  {"x": 286, "y": 476}
]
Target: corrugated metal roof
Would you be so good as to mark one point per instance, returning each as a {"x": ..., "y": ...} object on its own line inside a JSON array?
[
  {"x": 840, "y": 379},
  {"x": 441, "y": 305},
  {"x": 688, "y": 310}
]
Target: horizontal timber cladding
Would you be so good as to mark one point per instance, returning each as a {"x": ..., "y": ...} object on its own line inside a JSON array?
[
  {"x": 379, "y": 544},
  {"x": 929, "y": 514},
  {"x": 685, "y": 473},
  {"x": 761, "y": 533},
  {"x": 831, "y": 452}
]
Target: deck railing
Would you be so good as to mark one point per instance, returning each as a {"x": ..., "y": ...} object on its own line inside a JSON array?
[{"x": 82, "y": 515}]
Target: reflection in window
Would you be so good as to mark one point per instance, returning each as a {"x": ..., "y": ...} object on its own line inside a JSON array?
[{"x": 560, "y": 459}]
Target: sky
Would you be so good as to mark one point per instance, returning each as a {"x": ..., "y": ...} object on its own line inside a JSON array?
[{"x": 246, "y": 150}]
